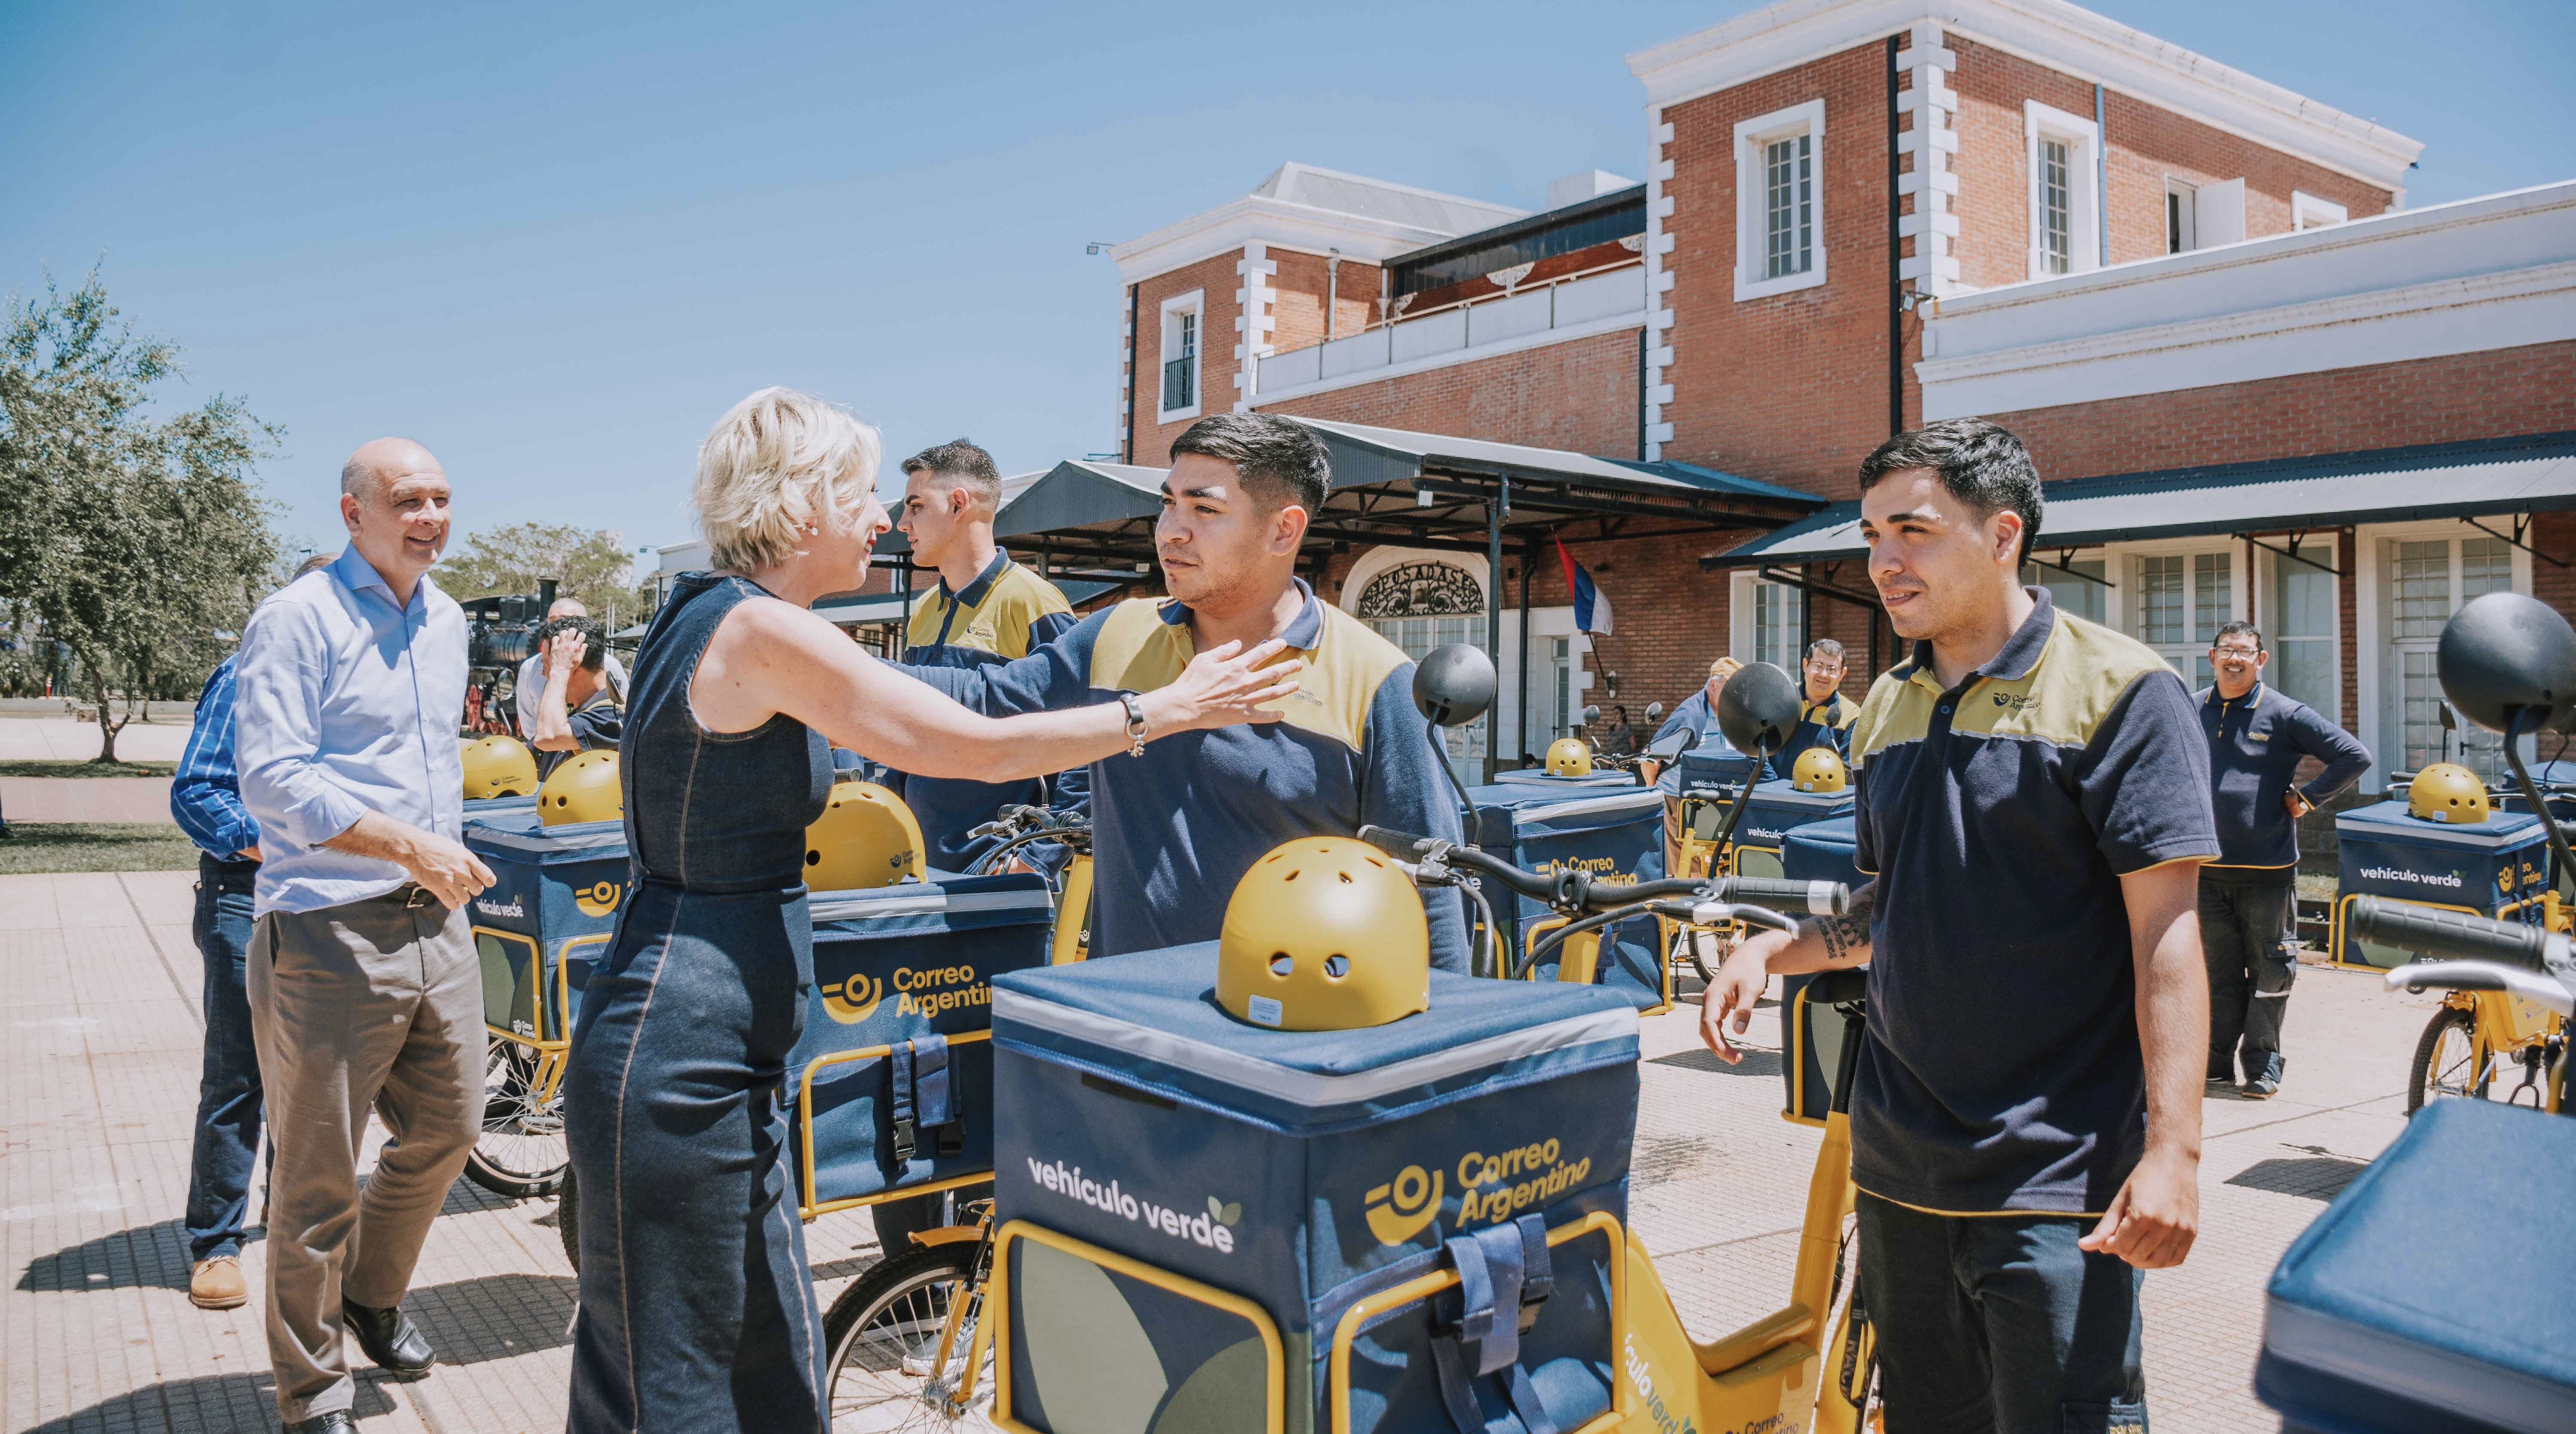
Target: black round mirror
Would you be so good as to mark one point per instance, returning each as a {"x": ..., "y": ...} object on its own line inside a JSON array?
[
  {"x": 1654, "y": 711},
  {"x": 2505, "y": 652},
  {"x": 1454, "y": 684},
  {"x": 1758, "y": 708},
  {"x": 1591, "y": 714}
]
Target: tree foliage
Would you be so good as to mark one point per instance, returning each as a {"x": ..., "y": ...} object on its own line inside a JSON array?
[
  {"x": 137, "y": 543},
  {"x": 590, "y": 564}
]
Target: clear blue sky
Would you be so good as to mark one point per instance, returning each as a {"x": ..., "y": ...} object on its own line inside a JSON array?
[{"x": 555, "y": 246}]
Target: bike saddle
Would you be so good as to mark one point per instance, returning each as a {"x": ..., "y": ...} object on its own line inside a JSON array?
[{"x": 1839, "y": 988}]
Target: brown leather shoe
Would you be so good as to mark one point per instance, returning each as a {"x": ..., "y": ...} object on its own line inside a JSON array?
[{"x": 217, "y": 1284}]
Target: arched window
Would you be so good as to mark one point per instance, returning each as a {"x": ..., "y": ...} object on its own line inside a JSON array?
[{"x": 1420, "y": 605}]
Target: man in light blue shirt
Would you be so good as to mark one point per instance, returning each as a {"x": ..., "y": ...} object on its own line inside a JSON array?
[{"x": 364, "y": 986}]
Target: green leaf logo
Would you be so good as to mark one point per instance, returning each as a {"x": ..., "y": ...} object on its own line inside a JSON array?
[{"x": 1226, "y": 1213}]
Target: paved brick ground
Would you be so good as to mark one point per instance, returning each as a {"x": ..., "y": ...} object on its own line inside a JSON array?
[
  {"x": 85, "y": 799},
  {"x": 60, "y": 739},
  {"x": 98, "y": 1079}
]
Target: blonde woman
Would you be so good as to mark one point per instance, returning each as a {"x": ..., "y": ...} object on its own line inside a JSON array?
[{"x": 696, "y": 1308}]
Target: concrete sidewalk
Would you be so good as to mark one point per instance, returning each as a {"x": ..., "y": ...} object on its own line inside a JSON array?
[
  {"x": 60, "y": 739},
  {"x": 98, "y": 1075},
  {"x": 85, "y": 799}
]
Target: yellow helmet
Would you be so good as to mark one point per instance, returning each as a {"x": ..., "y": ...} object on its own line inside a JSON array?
[
  {"x": 866, "y": 837},
  {"x": 583, "y": 789},
  {"x": 2447, "y": 792},
  {"x": 1569, "y": 757},
  {"x": 1324, "y": 934},
  {"x": 498, "y": 766},
  {"x": 1819, "y": 769}
]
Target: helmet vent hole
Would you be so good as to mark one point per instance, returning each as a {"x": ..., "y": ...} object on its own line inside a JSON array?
[
  {"x": 1292, "y": 876},
  {"x": 813, "y": 858},
  {"x": 1337, "y": 965},
  {"x": 1345, "y": 876},
  {"x": 1281, "y": 964}
]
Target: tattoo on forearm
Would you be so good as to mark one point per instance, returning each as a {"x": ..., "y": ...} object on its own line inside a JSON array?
[{"x": 1846, "y": 937}]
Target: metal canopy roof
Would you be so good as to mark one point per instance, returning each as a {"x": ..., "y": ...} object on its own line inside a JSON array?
[
  {"x": 1415, "y": 490},
  {"x": 2451, "y": 480}
]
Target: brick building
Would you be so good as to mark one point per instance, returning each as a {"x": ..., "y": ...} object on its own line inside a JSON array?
[{"x": 2274, "y": 390}]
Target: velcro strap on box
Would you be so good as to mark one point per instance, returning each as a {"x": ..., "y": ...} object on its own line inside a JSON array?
[
  {"x": 924, "y": 1099},
  {"x": 1504, "y": 1274}
]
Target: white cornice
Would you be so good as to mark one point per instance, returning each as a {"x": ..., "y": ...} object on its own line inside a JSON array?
[
  {"x": 1278, "y": 223},
  {"x": 2061, "y": 36}
]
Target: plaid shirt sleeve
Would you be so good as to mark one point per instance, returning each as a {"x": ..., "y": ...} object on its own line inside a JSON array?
[{"x": 205, "y": 797}]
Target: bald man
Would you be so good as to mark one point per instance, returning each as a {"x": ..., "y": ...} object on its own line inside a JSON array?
[{"x": 364, "y": 987}]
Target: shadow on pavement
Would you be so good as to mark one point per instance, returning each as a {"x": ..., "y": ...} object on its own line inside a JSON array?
[
  {"x": 1757, "y": 1062},
  {"x": 145, "y": 1257},
  {"x": 205, "y": 1404},
  {"x": 494, "y": 1316},
  {"x": 2313, "y": 1177}
]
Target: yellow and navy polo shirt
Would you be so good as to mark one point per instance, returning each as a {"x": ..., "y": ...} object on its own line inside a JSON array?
[
  {"x": 1825, "y": 724},
  {"x": 1006, "y": 613},
  {"x": 2003, "y": 1070},
  {"x": 2255, "y": 744},
  {"x": 1175, "y": 829}
]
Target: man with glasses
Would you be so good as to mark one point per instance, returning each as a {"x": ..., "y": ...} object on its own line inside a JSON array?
[
  {"x": 2249, "y": 929},
  {"x": 1824, "y": 716}
]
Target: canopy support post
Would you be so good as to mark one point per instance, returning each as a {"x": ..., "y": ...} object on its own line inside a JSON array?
[
  {"x": 1495, "y": 511},
  {"x": 1529, "y": 559}
]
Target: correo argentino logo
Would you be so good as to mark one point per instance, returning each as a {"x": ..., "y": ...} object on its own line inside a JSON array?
[
  {"x": 1398, "y": 1211},
  {"x": 599, "y": 899},
  {"x": 852, "y": 1001}
]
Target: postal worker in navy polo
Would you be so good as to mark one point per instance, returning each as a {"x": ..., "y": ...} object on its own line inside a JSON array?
[
  {"x": 1175, "y": 825},
  {"x": 2033, "y": 806},
  {"x": 2249, "y": 923}
]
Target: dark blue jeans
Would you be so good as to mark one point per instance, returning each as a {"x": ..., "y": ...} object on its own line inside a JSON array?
[
  {"x": 228, "y": 1092},
  {"x": 1998, "y": 1323}
]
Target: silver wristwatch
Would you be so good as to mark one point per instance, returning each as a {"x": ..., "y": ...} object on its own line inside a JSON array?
[{"x": 1135, "y": 723}]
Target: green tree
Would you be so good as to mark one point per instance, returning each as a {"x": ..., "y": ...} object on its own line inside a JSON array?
[
  {"x": 130, "y": 540},
  {"x": 590, "y": 564}
]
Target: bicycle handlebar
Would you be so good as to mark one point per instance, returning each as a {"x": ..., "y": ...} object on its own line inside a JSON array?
[
  {"x": 1572, "y": 891},
  {"x": 2449, "y": 933},
  {"x": 2546, "y": 991}
]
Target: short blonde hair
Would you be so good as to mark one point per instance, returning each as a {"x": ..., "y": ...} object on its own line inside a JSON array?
[
  {"x": 1725, "y": 667},
  {"x": 775, "y": 463}
]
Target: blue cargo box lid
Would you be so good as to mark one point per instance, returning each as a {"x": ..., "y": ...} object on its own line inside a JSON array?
[
  {"x": 1535, "y": 808},
  {"x": 2391, "y": 821},
  {"x": 1542, "y": 777},
  {"x": 1778, "y": 807},
  {"x": 1713, "y": 761},
  {"x": 943, "y": 902},
  {"x": 1150, "y": 1020},
  {"x": 481, "y": 806},
  {"x": 517, "y": 832},
  {"x": 1839, "y": 836},
  {"x": 2370, "y": 1302}
]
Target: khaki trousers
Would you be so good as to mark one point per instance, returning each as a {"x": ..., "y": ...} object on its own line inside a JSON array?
[{"x": 374, "y": 1003}]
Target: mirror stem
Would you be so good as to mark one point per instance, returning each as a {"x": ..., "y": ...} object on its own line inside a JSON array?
[
  {"x": 1761, "y": 763},
  {"x": 1466, "y": 808},
  {"x": 2531, "y": 790}
]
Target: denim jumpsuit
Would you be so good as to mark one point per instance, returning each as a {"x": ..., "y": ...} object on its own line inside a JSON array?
[{"x": 697, "y": 1310}]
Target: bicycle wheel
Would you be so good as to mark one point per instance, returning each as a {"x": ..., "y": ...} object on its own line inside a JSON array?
[
  {"x": 521, "y": 1152},
  {"x": 2446, "y": 1061},
  {"x": 883, "y": 1334},
  {"x": 568, "y": 1218}
]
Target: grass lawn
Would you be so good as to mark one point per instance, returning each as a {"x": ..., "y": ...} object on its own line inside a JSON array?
[
  {"x": 42, "y": 767},
  {"x": 95, "y": 846}
]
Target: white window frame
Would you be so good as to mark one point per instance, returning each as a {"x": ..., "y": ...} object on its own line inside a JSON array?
[
  {"x": 2186, "y": 217},
  {"x": 2307, "y": 211},
  {"x": 2370, "y": 626},
  {"x": 1741, "y": 607},
  {"x": 1194, "y": 302},
  {"x": 2083, "y": 140},
  {"x": 2120, "y": 611},
  {"x": 1752, "y": 190},
  {"x": 2267, "y": 616}
]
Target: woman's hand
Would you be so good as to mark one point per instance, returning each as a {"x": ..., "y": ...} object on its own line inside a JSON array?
[{"x": 1220, "y": 689}]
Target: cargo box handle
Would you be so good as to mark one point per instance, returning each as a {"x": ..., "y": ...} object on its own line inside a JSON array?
[
  {"x": 1504, "y": 1275},
  {"x": 923, "y": 1100}
]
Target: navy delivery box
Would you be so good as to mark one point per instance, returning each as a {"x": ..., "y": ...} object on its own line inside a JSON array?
[
  {"x": 1776, "y": 809},
  {"x": 1812, "y": 1036},
  {"x": 1542, "y": 777},
  {"x": 2496, "y": 867},
  {"x": 1616, "y": 834},
  {"x": 893, "y": 1076},
  {"x": 1208, "y": 1225},
  {"x": 546, "y": 917}
]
